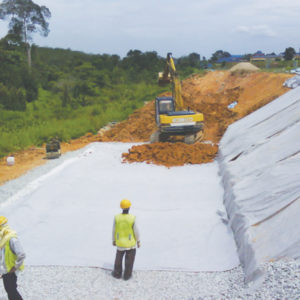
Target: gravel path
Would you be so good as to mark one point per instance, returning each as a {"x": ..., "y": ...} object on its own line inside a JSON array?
[{"x": 282, "y": 281}]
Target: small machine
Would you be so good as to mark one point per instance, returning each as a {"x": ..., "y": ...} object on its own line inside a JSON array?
[{"x": 53, "y": 149}]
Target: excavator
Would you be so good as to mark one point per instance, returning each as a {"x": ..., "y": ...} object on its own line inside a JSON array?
[{"x": 170, "y": 116}]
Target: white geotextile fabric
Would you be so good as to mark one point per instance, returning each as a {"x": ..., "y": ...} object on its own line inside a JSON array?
[
  {"x": 65, "y": 216},
  {"x": 259, "y": 159}
]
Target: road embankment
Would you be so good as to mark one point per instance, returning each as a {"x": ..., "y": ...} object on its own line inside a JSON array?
[{"x": 259, "y": 158}]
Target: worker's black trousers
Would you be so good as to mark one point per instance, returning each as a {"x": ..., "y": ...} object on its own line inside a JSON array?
[
  {"x": 10, "y": 285},
  {"x": 129, "y": 260}
]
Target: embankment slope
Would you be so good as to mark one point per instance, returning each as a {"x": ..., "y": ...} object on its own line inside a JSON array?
[{"x": 259, "y": 159}]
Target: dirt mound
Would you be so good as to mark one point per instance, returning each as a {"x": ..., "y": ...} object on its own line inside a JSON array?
[
  {"x": 210, "y": 94},
  {"x": 137, "y": 128},
  {"x": 213, "y": 93},
  {"x": 244, "y": 66},
  {"x": 171, "y": 154}
]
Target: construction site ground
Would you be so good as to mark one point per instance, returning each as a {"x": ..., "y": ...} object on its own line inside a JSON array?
[
  {"x": 253, "y": 204},
  {"x": 210, "y": 94}
]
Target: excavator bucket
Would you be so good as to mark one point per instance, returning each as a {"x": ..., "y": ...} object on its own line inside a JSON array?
[{"x": 164, "y": 79}]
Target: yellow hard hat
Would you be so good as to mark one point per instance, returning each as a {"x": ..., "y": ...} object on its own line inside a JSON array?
[
  {"x": 125, "y": 203},
  {"x": 3, "y": 220}
]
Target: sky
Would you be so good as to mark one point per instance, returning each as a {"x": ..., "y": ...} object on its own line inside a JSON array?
[{"x": 180, "y": 27}]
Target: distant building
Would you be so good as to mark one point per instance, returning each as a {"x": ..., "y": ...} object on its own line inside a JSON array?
[
  {"x": 260, "y": 56},
  {"x": 232, "y": 58},
  {"x": 257, "y": 56},
  {"x": 297, "y": 56}
]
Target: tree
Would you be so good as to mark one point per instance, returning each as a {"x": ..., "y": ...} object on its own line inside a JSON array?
[
  {"x": 141, "y": 66},
  {"x": 247, "y": 57},
  {"x": 12, "y": 98},
  {"x": 192, "y": 60},
  {"x": 219, "y": 54},
  {"x": 26, "y": 18},
  {"x": 289, "y": 53}
]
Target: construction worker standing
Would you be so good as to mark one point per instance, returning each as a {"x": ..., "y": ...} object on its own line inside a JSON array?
[
  {"x": 125, "y": 236},
  {"x": 11, "y": 259}
]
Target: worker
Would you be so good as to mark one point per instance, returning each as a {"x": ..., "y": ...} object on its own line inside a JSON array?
[
  {"x": 11, "y": 259},
  {"x": 125, "y": 236}
]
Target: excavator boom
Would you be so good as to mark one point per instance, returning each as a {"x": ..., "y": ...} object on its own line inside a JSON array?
[
  {"x": 170, "y": 116},
  {"x": 170, "y": 76}
]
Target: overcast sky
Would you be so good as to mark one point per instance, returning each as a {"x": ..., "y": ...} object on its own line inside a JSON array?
[{"x": 177, "y": 26}]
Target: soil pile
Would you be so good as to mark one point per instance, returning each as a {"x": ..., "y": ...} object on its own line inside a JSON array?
[
  {"x": 172, "y": 154},
  {"x": 210, "y": 94},
  {"x": 137, "y": 128},
  {"x": 244, "y": 66}
]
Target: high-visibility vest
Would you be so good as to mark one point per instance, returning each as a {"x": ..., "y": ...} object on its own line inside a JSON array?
[
  {"x": 124, "y": 235},
  {"x": 10, "y": 258}
]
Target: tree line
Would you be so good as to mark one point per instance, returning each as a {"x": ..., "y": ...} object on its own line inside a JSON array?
[
  {"x": 288, "y": 54},
  {"x": 78, "y": 78}
]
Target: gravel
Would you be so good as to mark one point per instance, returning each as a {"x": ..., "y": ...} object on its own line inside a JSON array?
[{"x": 281, "y": 281}]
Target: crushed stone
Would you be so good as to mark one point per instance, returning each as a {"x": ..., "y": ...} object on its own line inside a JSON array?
[{"x": 281, "y": 281}]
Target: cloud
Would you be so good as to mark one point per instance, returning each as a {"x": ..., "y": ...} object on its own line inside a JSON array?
[
  {"x": 115, "y": 26},
  {"x": 284, "y": 9},
  {"x": 256, "y": 30}
]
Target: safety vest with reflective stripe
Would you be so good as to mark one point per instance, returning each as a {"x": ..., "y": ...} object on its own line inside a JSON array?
[
  {"x": 124, "y": 235},
  {"x": 10, "y": 258}
]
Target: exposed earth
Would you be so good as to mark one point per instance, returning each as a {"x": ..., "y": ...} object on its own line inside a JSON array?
[
  {"x": 210, "y": 94},
  {"x": 35, "y": 156}
]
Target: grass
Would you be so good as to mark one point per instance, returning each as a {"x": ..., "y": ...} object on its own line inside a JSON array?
[{"x": 46, "y": 117}]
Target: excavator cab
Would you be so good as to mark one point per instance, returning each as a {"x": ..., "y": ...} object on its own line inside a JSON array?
[{"x": 163, "y": 105}]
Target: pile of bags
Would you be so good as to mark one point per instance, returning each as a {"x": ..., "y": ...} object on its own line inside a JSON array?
[{"x": 292, "y": 82}]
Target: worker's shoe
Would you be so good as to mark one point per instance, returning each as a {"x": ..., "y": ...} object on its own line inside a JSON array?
[
  {"x": 116, "y": 275},
  {"x": 127, "y": 277}
]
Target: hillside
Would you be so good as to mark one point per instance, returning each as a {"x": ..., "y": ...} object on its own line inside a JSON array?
[{"x": 210, "y": 94}]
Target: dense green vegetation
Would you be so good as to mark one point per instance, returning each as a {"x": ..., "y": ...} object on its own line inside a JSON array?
[{"x": 69, "y": 93}]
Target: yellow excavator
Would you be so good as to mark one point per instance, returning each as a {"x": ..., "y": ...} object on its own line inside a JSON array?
[{"x": 170, "y": 116}]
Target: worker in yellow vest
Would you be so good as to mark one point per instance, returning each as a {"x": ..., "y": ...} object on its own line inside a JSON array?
[
  {"x": 125, "y": 236},
  {"x": 11, "y": 259}
]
